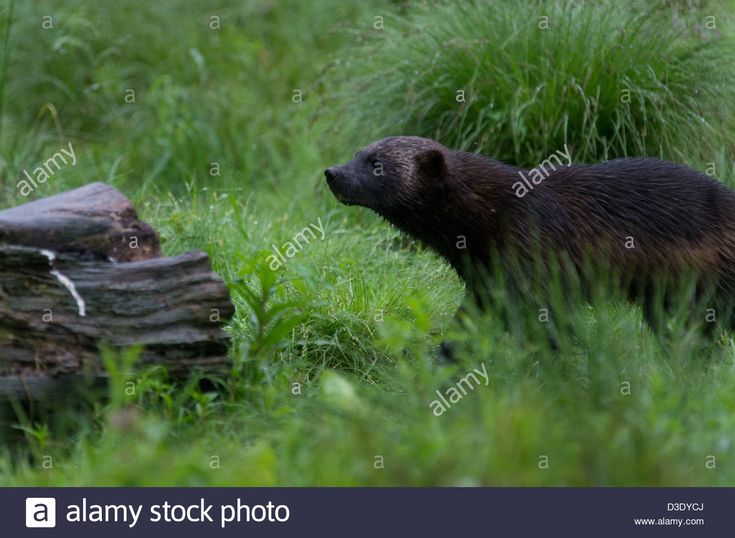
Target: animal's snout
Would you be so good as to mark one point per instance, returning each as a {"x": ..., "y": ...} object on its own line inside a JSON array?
[
  {"x": 338, "y": 183},
  {"x": 330, "y": 173}
]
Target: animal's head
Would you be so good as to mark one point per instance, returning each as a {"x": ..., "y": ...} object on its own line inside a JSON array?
[{"x": 389, "y": 172}]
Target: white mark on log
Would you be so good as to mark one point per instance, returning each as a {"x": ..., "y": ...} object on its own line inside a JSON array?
[
  {"x": 68, "y": 284},
  {"x": 72, "y": 289},
  {"x": 50, "y": 255}
]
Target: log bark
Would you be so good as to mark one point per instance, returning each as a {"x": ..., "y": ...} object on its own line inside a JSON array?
[
  {"x": 79, "y": 271},
  {"x": 94, "y": 221}
]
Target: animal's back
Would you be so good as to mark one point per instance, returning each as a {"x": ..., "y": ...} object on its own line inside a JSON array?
[{"x": 646, "y": 212}]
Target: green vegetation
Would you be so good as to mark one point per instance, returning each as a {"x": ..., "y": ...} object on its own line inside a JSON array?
[
  {"x": 333, "y": 353},
  {"x": 519, "y": 79}
]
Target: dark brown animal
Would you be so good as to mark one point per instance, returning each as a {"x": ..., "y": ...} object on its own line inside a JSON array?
[{"x": 651, "y": 224}]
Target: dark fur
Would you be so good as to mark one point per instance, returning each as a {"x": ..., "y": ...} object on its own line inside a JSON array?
[{"x": 682, "y": 222}]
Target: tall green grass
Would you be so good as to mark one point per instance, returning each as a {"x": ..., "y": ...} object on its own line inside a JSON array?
[
  {"x": 211, "y": 95},
  {"x": 519, "y": 79}
]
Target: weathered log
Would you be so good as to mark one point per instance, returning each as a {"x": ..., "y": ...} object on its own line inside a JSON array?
[
  {"x": 78, "y": 271},
  {"x": 93, "y": 221}
]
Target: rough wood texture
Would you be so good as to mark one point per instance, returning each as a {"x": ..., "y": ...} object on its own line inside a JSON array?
[
  {"x": 62, "y": 295},
  {"x": 94, "y": 221}
]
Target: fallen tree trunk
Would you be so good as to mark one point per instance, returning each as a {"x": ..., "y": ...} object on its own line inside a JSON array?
[
  {"x": 79, "y": 270},
  {"x": 94, "y": 221}
]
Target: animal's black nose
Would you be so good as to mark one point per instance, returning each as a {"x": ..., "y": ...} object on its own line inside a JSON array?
[{"x": 329, "y": 173}]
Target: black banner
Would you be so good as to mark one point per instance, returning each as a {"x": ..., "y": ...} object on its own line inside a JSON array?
[{"x": 368, "y": 512}]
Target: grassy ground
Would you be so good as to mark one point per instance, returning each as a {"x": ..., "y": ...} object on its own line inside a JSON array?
[{"x": 333, "y": 370}]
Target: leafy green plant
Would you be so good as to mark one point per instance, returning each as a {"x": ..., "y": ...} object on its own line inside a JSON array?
[
  {"x": 38, "y": 435},
  {"x": 271, "y": 318}
]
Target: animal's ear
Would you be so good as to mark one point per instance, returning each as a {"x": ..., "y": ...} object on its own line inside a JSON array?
[{"x": 431, "y": 163}]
